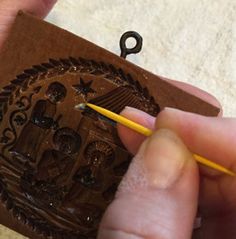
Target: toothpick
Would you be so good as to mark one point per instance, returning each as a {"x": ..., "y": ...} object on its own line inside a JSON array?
[{"x": 147, "y": 132}]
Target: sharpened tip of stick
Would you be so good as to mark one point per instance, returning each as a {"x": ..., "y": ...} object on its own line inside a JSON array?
[{"x": 80, "y": 106}]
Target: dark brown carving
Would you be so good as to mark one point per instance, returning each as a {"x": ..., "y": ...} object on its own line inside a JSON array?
[
  {"x": 67, "y": 141},
  {"x": 76, "y": 164},
  {"x": 60, "y": 168},
  {"x": 41, "y": 120},
  {"x": 84, "y": 88}
]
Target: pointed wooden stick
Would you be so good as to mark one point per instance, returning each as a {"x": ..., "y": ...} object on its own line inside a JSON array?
[{"x": 147, "y": 132}]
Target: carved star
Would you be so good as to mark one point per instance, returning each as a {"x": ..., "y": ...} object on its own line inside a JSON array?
[{"x": 84, "y": 88}]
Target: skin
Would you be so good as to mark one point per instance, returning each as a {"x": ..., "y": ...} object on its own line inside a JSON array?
[
  {"x": 212, "y": 138},
  {"x": 164, "y": 204}
]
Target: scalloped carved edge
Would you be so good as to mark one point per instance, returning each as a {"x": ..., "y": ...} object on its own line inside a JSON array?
[
  {"x": 57, "y": 67},
  {"x": 41, "y": 72}
]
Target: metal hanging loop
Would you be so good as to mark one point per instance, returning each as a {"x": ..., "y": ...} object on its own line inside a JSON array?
[{"x": 136, "y": 49}]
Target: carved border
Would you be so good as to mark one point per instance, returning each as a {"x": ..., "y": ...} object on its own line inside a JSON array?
[
  {"x": 40, "y": 72},
  {"x": 59, "y": 67}
]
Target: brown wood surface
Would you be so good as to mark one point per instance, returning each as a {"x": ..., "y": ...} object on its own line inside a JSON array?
[{"x": 34, "y": 42}]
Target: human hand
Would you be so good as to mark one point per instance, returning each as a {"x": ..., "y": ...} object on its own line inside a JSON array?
[
  {"x": 214, "y": 139},
  {"x": 9, "y": 9},
  {"x": 154, "y": 211}
]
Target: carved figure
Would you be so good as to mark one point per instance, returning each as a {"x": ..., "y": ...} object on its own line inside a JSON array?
[
  {"x": 41, "y": 120},
  {"x": 48, "y": 181},
  {"x": 53, "y": 166}
]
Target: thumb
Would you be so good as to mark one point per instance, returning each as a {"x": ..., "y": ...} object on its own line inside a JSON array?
[{"x": 157, "y": 198}]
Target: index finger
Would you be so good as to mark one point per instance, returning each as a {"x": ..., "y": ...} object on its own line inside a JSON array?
[{"x": 133, "y": 140}]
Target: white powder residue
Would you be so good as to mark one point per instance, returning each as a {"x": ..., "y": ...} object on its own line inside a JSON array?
[{"x": 135, "y": 178}]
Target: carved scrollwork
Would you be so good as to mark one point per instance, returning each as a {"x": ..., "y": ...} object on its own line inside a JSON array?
[
  {"x": 99, "y": 155},
  {"x": 17, "y": 118},
  {"x": 53, "y": 163},
  {"x": 74, "y": 65}
]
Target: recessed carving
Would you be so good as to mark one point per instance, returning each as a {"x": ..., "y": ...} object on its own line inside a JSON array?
[
  {"x": 43, "y": 192},
  {"x": 56, "y": 92},
  {"x": 67, "y": 140},
  {"x": 62, "y": 167},
  {"x": 109, "y": 193},
  {"x": 121, "y": 168},
  {"x": 42, "y": 119},
  {"x": 99, "y": 154},
  {"x": 87, "y": 177},
  {"x": 54, "y": 166},
  {"x": 84, "y": 88},
  {"x": 86, "y": 214}
]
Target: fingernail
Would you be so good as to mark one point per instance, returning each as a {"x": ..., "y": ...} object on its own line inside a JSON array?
[
  {"x": 172, "y": 109},
  {"x": 159, "y": 163},
  {"x": 133, "y": 110},
  {"x": 164, "y": 158}
]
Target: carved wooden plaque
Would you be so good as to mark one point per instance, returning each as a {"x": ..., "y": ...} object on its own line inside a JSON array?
[{"x": 60, "y": 168}]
